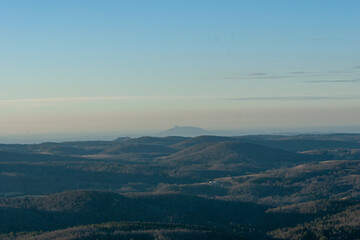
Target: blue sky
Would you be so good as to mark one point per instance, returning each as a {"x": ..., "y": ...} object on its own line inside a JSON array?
[{"x": 129, "y": 66}]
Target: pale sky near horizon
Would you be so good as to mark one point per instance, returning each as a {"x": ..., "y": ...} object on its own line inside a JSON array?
[{"x": 129, "y": 66}]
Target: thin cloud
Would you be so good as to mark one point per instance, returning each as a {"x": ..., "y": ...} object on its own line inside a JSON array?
[
  {"x": 86, "y": 99},
  {"x": 294, "y": 98},
  {"x": 257, "y": 74},
  {"x": 334, "y": 81},
  {"x": 338, "y": 72},
  {"x": 265, "y": 77},
  {"x": 301, "y": 72},
  {"x": 293, "y": 75},
  {"x": 357, "y": 67}
]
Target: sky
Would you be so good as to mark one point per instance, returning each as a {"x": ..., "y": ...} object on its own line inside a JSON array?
[{"x": 126, "y": 66}]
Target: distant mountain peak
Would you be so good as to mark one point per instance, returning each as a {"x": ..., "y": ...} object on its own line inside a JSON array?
[{"x": 185, "y": 131}]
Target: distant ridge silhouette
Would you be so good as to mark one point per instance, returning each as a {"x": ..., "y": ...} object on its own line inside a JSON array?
[{"x": 185, "y": 131}]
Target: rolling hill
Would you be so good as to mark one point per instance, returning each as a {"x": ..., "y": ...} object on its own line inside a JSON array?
[
  {"x": 251, "y": 187},
  {"x": 233, "y": 153}
]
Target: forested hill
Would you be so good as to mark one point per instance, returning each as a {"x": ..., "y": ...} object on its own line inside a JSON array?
[{"x": 209, "y": 187}]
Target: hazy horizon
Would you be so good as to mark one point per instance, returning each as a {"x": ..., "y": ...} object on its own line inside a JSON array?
[
  {"x": 117, "y": 67},
  {"x": 112, "y": 135}
]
